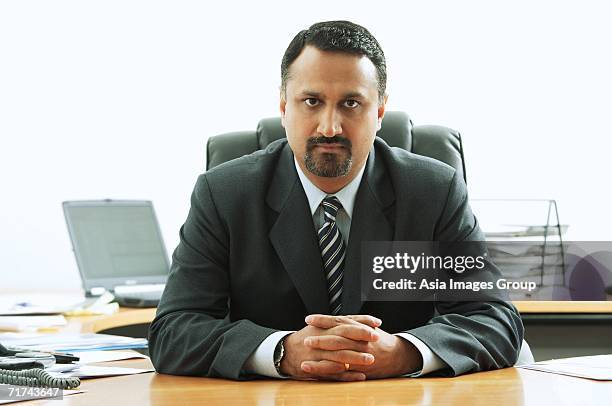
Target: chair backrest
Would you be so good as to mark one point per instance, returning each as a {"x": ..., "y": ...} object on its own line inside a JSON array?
[{"x": 441, "y": 143}]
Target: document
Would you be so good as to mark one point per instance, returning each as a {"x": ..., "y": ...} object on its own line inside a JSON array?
[
  {"x": 30, "y": 323},
  {"x": 90, "y": 357},
  {"x": 597, "y": 367},
  {"x": 70, "y": 342},
  {"x": 69, "y": 305},
  {"x": 91, "y": 371},
  {"x": 38, "y": 303}
]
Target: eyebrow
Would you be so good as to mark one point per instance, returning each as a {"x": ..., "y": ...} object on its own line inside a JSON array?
[{"x": 349, "y": 95}]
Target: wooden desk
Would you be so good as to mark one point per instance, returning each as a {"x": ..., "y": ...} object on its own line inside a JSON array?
[
  {"x": 553, "y": 329},
  {"x": 567, "y": 329},
  {"x": 559, "y": 307},
  {"x": 509, "y": 386},
  {"x": 123, "y": 318}
]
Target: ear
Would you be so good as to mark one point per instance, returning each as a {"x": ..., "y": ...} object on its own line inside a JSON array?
[
  {"x": 282, "y": 105},
  {"x": 381, "y": 111}
]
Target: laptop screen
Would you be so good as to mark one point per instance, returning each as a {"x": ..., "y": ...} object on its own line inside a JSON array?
[{"x": 116, "y": 240}]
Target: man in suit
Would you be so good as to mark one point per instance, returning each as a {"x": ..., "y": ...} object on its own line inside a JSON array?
[{"x": 266, "y": 278}]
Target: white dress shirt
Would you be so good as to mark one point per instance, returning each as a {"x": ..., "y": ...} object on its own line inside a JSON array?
[{"x": 261, "y": 362}]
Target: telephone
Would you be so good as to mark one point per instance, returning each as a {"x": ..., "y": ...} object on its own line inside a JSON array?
[{"x": 28, "y": 369}]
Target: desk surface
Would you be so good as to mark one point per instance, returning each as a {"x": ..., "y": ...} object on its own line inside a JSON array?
[
  {"x": 124, "y": 317},
  {"x": 509, "y": 386},
  {"x": 566, "y": 307}
]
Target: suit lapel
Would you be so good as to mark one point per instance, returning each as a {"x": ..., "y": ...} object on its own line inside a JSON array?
[
  {"x": 369, "y": 223},
  {"x": 293, "y": 235}
]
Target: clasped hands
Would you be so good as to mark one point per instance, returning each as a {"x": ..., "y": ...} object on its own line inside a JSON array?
[{"x": 347, "y": 348}]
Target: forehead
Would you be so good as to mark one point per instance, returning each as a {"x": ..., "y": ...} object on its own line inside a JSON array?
[{"x": 330, "y": 71}]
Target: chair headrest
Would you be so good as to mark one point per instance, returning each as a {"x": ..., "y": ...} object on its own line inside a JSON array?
[{"x": 441, "y": 143}]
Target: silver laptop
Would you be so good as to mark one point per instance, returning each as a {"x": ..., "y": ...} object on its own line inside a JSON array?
[{"x": 118, "y": 248}]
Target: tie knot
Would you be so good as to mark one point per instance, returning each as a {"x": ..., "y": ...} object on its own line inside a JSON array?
[{"x": 331, "y": 205}]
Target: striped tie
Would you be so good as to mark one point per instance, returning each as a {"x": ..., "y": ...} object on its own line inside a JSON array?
[{"x": 332, "y": 251}]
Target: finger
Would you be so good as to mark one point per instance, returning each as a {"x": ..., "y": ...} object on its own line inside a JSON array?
[
  {"x": 358, "y": 332},
  {"x": 328, "y": 370},
  {"x": 334, "y": 343},
  {"x": 366, "y": 319},
  {"x": 346, "y": 357},
  {"x": 323, "y": 367},
  {"x": 343, "y": 326},
  {"x": 326, "y": 321}
]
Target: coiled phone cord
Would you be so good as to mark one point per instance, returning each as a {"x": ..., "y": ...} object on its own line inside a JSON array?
[{"x": 37, "y": 377}]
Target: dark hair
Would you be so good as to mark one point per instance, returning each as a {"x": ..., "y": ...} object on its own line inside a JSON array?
[{"x": 340, "y": 36}]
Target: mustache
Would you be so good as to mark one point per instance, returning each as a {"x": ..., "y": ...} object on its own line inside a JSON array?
[{"x": 345, "y": 142}]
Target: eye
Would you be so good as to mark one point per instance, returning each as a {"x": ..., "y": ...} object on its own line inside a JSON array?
[
  {"x": 351, "y": 104},
  {"x": 311, "y": 102}
]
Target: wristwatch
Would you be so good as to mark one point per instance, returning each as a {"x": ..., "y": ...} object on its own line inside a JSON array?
[{"x": 279, "y": 353}]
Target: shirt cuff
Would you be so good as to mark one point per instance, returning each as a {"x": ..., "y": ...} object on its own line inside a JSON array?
[
  {"x": 431, "y": 362},
  {"x": 261, "y": 362}
]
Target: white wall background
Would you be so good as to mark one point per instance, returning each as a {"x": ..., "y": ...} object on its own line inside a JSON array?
[{"x": 115, "y": 99}]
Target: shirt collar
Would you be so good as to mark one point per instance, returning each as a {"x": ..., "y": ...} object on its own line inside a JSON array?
[{"x": 315, "y": 196}]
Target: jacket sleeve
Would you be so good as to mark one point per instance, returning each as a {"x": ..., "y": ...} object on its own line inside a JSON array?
[
  {"x": 477, "y": 335},
  {"x": 192, "y": 333}
]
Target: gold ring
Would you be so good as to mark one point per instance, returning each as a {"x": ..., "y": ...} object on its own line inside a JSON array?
[{"x": 347, "y": 366}]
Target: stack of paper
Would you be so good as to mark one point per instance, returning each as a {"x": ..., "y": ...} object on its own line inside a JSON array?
[
  {"x": 83, "y": 370},
  {"x": 90, "y": 357},
  {"x": 91, "y": 371},
  {"x": 598, "y": 367},
  {"x": 70, "y": 305},
  {"x": 70, "y": 342}
]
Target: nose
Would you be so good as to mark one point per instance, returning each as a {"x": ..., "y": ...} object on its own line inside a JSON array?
[{"x": 329, "y": 123}]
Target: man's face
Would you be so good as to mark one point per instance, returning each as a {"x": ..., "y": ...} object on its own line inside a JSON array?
[{"x": 331, "y": 111}]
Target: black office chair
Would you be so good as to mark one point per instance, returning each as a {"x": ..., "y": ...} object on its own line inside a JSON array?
[{"x": 397, "y": 130}]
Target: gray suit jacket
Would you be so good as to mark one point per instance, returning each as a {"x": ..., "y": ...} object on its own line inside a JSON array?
[{"x": 248, "y": 264}]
